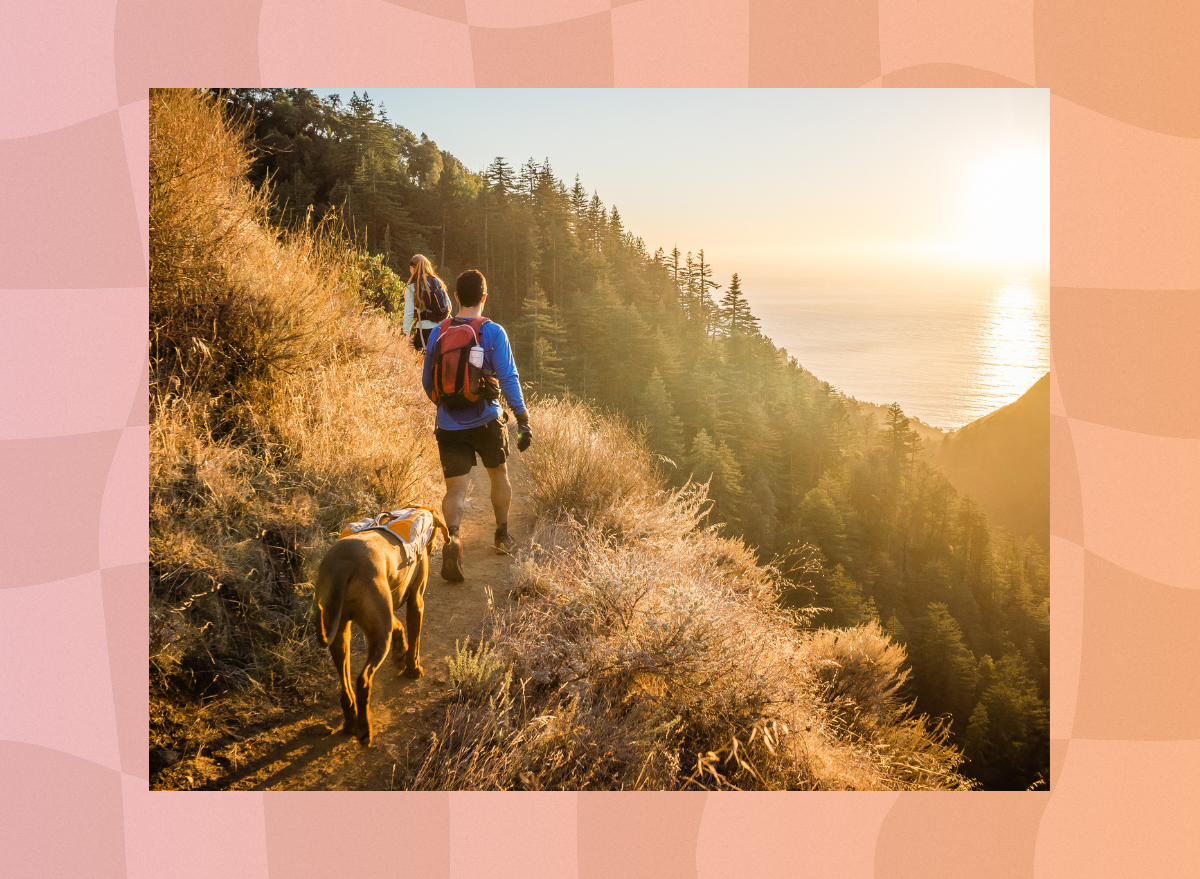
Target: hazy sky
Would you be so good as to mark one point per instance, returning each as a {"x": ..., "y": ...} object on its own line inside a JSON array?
[{"x": 781, "y": 185}]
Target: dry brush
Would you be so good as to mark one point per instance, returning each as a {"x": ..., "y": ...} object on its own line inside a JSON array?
[
  {"x": 281, "y": 406},
  {"x": 645, "y": 651}
]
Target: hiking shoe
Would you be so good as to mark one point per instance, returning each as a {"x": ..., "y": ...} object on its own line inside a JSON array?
[
  {"x": 452, "y": 568},
  {"x": 505, "y": 545}
]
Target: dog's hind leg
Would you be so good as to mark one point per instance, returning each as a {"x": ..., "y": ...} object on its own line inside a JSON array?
[
  {"x": 414, "y": 616},
  {"x": 399, "y": 643},
  {"x": 378, "y": 630},
  {"x": 339, "y": 649}
]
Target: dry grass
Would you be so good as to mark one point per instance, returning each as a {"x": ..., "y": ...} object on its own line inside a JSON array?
[
  {"x": 234, "y": 301},
  {"x": 280, "y": 408},
  {"x": 645, "y": 653},
  {"x": 592, "y": 468}
]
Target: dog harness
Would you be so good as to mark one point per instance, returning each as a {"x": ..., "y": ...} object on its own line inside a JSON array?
[{"x": 412, "y": 525}]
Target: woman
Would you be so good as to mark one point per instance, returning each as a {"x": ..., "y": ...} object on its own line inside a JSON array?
[{"x": 425, "y": 301}]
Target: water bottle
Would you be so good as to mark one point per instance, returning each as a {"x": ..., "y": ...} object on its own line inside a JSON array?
[{"x": 475, "y": 358}]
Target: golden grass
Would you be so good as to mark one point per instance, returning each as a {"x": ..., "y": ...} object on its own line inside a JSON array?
[
  {"x": 591, "y": 467},
  {"x": 281, "y": 406},
  {"x": 646, "y": 653}
]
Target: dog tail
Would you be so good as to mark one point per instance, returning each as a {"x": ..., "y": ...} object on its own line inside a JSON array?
[
  {"x": 331, "y": 593},
  {"x": 439, "y": 525}
]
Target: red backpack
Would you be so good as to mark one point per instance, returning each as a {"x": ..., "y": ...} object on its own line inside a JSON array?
[{"x": 458, "y": 383}]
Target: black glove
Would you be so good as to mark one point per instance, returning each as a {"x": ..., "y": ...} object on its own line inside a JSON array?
[{"x": 524, "y": 434}]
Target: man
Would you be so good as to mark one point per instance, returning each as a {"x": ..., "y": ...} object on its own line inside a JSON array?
[{"x": 475, "y": 428}]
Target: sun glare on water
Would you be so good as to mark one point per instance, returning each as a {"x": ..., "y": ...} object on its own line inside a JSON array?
[{"x": 1015, "y": 343}]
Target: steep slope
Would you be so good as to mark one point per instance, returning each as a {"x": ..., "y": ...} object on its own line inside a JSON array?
[{"x": 1003, "y": 460}]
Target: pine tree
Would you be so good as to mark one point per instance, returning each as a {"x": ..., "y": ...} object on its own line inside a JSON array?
[
  {"x": 760, "y": 514},
  {"x": 546, "y": 181},
  {"x": 372, "y": 196},
  {"x": 943, "y": 668},
  {"x": 736, "y": 316},
  {"x": 664, "y": 431},
  {"x": 595, "y": 221},
  {"x": 895, "y": 630},
  {"x": 527, "y": 180},
  {"x": 1008, "y": 738},
  {"x": 372, "y": 200},
  {"x": 974, "y": 540},
  {"x": 714, "y": 464},
  {"x": 578, "y": 209},
  {"x": 706, "y": 311},
  {"x": 499, "y": 176},
  {"x": 540, "y": 333},
  {"x": 673, "y": 266},
  {"x": 822, "y": 525},
  {"x": 616, "y": 230},
  {"x": 897, "y": 431},
  {"x": 689, "y": 296},
  {"x": 844, "y": 598}
]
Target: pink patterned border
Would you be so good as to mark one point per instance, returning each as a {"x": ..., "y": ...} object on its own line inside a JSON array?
[{"x": 1125, "y": 433}]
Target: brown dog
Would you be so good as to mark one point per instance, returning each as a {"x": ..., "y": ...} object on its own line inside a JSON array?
[{"x": 361, "y": 580}]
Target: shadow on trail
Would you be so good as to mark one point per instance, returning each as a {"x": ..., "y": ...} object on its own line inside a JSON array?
[
  {"x": 313, "y": 743},
  {"x": 318, "y": 738}
]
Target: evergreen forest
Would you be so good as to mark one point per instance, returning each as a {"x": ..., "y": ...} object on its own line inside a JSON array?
[{"x": 855, "y": 512}]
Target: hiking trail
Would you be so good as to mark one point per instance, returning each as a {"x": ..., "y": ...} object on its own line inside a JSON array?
[{"x": 303, "y": 751}]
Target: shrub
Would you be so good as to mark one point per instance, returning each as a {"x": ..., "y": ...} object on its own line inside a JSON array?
[
  {"x": 590, "y": 467},
  {"x": 476, "y": 673},
  {"x": 861, "y": 671}
]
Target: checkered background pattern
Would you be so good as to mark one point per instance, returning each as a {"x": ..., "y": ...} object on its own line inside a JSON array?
[{"x": 1125, "y": 459}]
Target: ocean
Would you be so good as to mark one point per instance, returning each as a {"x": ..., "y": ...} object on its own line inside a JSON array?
[{"x": 947, "y": 356}]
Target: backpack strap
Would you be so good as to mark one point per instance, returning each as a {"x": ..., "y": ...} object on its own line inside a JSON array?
[
  {"x": 441, "y": 328},
  {"x": 477, "y": 325}
]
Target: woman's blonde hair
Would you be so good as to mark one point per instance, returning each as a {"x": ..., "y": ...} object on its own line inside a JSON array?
[{"x": 420, "y": 281}]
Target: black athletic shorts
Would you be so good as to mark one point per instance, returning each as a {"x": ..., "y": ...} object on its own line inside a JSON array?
[{"x": 457, "y": 448}]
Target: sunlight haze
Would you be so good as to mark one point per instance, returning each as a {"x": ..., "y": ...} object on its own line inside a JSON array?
[
  {"x": 894, "y": 241},
  {"x": 778, "y": 184}
]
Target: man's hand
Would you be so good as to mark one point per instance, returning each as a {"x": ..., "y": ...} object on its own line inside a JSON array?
[
  {"x": 524, "y": 437},
  {"x": 524, "y": 434}
]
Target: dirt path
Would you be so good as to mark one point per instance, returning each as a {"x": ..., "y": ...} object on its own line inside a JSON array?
[{"x": 303, "y": 752}]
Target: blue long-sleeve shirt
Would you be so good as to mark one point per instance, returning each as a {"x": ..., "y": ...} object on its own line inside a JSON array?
[{"x": 497, "y": 361}]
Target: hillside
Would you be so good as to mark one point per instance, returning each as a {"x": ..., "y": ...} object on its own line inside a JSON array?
[
  {"x": 863, "y": 526},
  {"x": 640, "y": 646},
  {"x": 1003, "y": 460}
]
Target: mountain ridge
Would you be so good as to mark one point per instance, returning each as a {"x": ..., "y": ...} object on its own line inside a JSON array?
[{"x": 1003, "y": 460}]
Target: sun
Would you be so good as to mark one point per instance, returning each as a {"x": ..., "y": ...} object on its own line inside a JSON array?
[{"x": 1006, "y": 210}]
